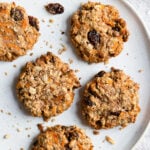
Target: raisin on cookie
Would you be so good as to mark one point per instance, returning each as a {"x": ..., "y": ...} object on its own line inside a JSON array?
[
  {"x": 18, "y": 33},
  {"x": 46, "y": 86},
  {"x": 62, "y": 138},
  {"x": 97, "y": 32},
  {"x": 110, "y": 100}
]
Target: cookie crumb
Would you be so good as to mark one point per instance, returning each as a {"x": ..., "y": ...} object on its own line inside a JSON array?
[
  {"x": 109, "y": 139},
  {"x": 40, "y": 127},
  {"x": 14, "y": 66},
  {"x": 8, "y": 113},
  {"x": 70, "y": 61},
  {"x": 63, "y": 49},
  {"x": 46, "y": 43},
  {"x": 2, "y": 111},
  {"x": 51, "y": 46},
  {"x": 5, "y": 73},
  {"x": 140, "y": 70},
  {"x": 51, "y": 20},
  {"x": 43, "y": 20},
  {"x": 31, "y": 54},
  {"x": 96, "y": 132},
  {"x": 28, "y": 128},
  {"x": 62, "y": 32},
  {"x": 76, "y": 70},
  {"x": 52, "y": 120},
  {"x": 6, "y": 136},
  {"x": 28, "y": 135},
  {"x": 18, "y": 130}
]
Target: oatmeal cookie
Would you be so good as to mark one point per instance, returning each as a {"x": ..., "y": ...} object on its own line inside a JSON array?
[
  {"x": 62, "y": 138},
  {"x": 110, "y": 99},
  {"x": 46, "y": 87},
  {"x": 98, "y": 32},
  {"x": 18, "y": 31}
]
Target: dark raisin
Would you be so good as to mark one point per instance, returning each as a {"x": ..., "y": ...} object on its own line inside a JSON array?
[
  {"x": 100, "y": 74},
  {"x": 52, "y": 60},
  {"x": 116, "y": 28},
  {"x": 115, "y": 70},
  {"x": 92, "y": 92},
  {"x": 99, "y": 123},
  {"x": 117, "y": 113},
  {"x": 35, "y": 143},
  {"x": 34, "y": 22},
  {"x": 94, "y": 38},
  {"x": 125, "y": 36},
  {"x": 88, "y": 102},
  {"x": 16, "y": 14},
  {"x": 67, "y": 147},
  {"x": 54, "y": 8},
  {"x": 72, "y": 135}
]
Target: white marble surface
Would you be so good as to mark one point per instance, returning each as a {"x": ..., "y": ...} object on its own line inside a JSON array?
[{"x": 142, "y": 7}]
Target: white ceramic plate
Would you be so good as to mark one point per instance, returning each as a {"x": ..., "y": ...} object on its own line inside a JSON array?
[{"x": 138, "y": 58}]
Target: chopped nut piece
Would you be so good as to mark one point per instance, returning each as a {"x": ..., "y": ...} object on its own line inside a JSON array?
[
  {"x": 109, "y": 139},
  {"x": 32, "y": 90}
]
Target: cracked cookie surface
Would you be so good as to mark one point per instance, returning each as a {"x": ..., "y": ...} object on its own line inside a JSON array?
[
  {"x": 63, "y": 138},
  {"x": 98, "y": 32},
  {"x": 110, "y": 100},
  {"x": 46, "y": 86},
  {"x": 17, "y": 32}
]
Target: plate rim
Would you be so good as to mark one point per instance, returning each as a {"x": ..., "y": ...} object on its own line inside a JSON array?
[{"x": 131, "y": 7}]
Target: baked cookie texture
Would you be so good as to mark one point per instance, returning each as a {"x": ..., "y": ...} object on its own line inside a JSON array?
[
  {"x": 110, "y": 100},
  {"x": 63, "y": 138},
  {"x": 46, "y": 86},
  {"x": 18, "y": 31},
  {"x": 97, "y": 32}
]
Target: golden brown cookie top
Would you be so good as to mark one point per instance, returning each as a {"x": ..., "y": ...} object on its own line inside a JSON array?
[
  {"x": 63, "y": 138},
  {"x": 46, "y": 86},
  {"x": 98, "y": 32},
  {"x": 18, "y": 33},
  {"x": 110, "y": 99}
]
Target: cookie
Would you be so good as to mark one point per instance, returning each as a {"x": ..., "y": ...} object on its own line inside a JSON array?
[
  {"x": 46, "y": 86},
  {"x": 18, "y": 31},
  {"x": 110, "y": 100},
  {"x": 62, "y": 138},
  {"x": 97, "y": 32}
]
